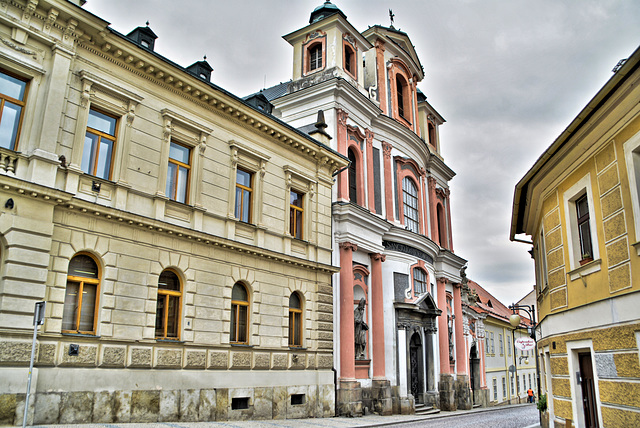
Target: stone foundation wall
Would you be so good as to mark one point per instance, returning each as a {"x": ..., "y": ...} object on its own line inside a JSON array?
[{"x": 187, "y": 405}]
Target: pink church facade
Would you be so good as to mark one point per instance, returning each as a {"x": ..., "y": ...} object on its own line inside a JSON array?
[{"x": 391, "y": 220}]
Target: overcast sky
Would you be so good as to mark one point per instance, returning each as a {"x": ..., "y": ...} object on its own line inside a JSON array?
[{"x": 508, "y": 76}]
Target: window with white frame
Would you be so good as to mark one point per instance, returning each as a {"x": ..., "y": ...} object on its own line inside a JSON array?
[
  {"x": 410, "y": 201},
  {"x": 495, "y": 389},
  {"x": 581, "y": 226},
  {"x": 501, "y": 344},
  {"x": 504, "y": 387},
  {"x": 632, "y": 159},
  {"x": 419, "y": 281}
]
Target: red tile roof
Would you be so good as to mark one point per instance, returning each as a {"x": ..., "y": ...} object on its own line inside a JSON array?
[{"x": 492, "y": 306}]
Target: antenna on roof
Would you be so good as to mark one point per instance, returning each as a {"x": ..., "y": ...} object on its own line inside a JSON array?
[
  {"x": 391, "y": 16},
  {"x": 619, "y": 65}
]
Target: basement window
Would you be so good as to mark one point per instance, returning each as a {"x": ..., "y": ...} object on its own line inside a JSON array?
[
  {"x": 297, "y": 399},
  {"x": 239, "y": 403}
]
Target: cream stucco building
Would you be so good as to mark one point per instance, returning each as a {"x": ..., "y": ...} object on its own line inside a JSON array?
[{"x": 180, "y": 236}]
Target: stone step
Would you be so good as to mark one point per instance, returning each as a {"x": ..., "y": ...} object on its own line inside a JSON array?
[{"x": 421, "y": 409}]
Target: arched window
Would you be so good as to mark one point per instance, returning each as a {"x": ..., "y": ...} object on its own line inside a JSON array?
[
  {"x": 81, "y": 296},
  {"x": 168, "y": 306},
  {"x": 410, "y": 201},
  {"x": 349, "y": 60},
  {"x": 239, "y": 314},
  {"x": 442, "y": 239},
  {"x": 295, "y": 320},
  {"x": 402, "y": 97},
  {"x": 353, "y": 176},
  {"x": 315, "y": 57},
  {"x": 432, "y": 135},
  {"x": 419, "y": 281}
]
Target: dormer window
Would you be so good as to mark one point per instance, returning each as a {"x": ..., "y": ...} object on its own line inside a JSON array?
[
  {"x": 315, "y": 57},
  {"x": 145, "y": 43}
]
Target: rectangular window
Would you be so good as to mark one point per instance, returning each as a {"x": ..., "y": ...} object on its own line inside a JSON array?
[
  {"x": 243, "y": 195},
  {"x": 509, "y": 345},
  {"x": 486, "y": 344},
  {"x": 501, "y": 344},
  {"x": 99, "y": 142},
  {"x": 493, "y": 348},
  {"x": 12, "y": 101},
  {"x": 495, "y": 389},
  {"x": 584, "y": 230},
  {"x": 178, "y": 172},
  {"x": 296, "y": 213},
  {"x": 419, "y": 281},
  {"x": 504, "y": 387}
]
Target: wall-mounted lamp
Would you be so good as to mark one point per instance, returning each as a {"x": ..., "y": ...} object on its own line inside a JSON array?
[
  {"x": 9, "y": 204},
  {"x": 95, "y": 186},
  {"x": 74, "y": 349}
]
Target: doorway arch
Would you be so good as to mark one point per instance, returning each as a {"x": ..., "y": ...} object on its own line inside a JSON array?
[{"x": 417, "y": 367}]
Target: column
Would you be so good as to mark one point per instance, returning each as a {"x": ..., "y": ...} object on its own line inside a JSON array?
[
  {"x": 369, "y": 156},
  {"x": 447, "y": 193},
  {"x": 461, "y": 355},
  {"x": 388, "y": 182},
  {"x": 343, "y": 177},
  {"x": 382, "y": 76},
  {"x": 347, "y": 345},
  {"x": 377, "y": 316},
  {"x": 443, "y": 335},
  {"x": 431, "y": 183},
  {"x": 402, "y": 362}
]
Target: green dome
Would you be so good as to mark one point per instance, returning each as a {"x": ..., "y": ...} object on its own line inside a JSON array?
[{"x": 323, "y": 11}]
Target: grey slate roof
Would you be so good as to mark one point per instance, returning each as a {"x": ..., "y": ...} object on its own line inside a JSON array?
[{"x": 273, "y": 92}]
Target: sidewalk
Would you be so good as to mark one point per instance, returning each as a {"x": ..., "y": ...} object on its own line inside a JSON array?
[{"x": 336, "y": 422}]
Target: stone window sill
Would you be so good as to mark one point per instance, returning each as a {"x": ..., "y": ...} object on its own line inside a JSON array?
[{"x": 586, "y": 269}]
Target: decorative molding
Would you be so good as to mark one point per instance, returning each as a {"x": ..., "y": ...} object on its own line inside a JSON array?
[
  {"x": 386, "y": 150},
  {"x": 407, "y": 249},
  {"x": 17, "y": 48},
  {"x": 348, "y": 246}
]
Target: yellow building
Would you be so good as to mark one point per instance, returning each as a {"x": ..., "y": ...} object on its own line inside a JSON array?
[{"x": 579, "y": 203}]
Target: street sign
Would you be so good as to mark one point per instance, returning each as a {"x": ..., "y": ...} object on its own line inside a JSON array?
[
  {"x": 525, "y": 343},
  {"x": 512, "y": 368}
]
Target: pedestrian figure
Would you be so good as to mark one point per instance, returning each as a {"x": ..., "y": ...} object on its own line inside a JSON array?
[{"x": 530, "y": 394}]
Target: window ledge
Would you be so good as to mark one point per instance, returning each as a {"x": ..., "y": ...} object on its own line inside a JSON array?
[
  {"x": 241, "y": 345},
  {"x": 177, "y": 341},
  {"x": 93, "y": 336},
  {"x": 586, "y": 269},
  {"x": 297, "y": 348},
  {"x": 637, "y": 247}
]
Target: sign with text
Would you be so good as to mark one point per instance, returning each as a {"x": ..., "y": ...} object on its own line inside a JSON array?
[{"x": 525, "y": 343}]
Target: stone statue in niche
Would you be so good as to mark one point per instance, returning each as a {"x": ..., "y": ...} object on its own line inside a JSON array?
[
  {"x": 450, "y": 325},
  {"x": 361, "y": 328}
]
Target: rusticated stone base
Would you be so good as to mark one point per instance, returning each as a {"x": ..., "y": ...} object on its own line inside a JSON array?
[
  {"x": 481, "y": 397},
  {"x": 381, "y": 397},
  {"x": 349, "y": 399},
  {"x": 463, "y": 393},
  {"x": 446, "y": 386},
  {"x": 189, "y": 405}
]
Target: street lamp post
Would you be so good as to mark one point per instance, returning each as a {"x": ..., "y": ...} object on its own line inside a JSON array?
[{"x": 514, "y": 320}]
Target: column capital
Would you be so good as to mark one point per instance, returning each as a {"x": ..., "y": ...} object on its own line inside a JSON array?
[
  {"x": 431, "y": 183},
  {"x": 443, "y": 280},
  {"x": 386, "y": 149},
  {"x": 342, "y": 117},
  {"x": 377, "y": 257},
  {"x": 348, "y": 246},
  {"x": 368, "y": 135}
]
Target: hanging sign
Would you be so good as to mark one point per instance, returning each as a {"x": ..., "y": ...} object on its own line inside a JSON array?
[{"x": 525, "y": 343}]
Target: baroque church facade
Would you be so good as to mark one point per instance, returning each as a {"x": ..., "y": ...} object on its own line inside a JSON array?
[{"x": 391, "y": 219}]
